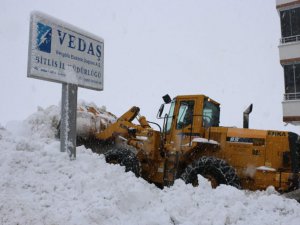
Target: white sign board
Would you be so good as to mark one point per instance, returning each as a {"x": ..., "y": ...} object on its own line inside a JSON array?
[{"x": 62, "y": 53}]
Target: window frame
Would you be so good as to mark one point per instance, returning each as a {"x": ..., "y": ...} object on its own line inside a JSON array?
[
  {"x": 215, "y": 114},
  {"x": 290, "y": 24},
  {"x": 292, "y": 81}
]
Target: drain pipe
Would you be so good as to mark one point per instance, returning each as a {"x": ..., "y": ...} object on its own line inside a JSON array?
[{"x": 246, "y": 116}]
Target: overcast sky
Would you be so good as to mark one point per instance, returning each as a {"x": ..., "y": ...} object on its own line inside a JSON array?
[{"x": 227, "y": 50}]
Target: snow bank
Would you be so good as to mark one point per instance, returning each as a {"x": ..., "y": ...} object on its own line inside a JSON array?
[
  {"x": 40, "y": 185},
  {"x": 91, "y": 119}
]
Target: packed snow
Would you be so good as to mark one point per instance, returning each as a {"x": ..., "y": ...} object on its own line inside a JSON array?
[
  {"x": 92, "y": 119},
  {"x": 40, "y": 185},
  {"x": 204, "y": 140}
]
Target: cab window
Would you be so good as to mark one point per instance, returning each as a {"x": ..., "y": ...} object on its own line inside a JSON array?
[
  {"x": 170, "y": 117},
  {"x": 185, "y": 114},
  {"x": 211, "y": 114}
]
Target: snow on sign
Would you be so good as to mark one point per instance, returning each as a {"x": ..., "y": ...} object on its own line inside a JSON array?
[{"x": 62, "y": 53}]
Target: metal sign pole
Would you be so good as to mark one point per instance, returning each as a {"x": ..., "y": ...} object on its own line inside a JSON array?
[{"x": 68, "y": 119}]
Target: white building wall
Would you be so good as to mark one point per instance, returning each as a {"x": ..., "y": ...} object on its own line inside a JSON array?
[{"x": 289, "y": 51}]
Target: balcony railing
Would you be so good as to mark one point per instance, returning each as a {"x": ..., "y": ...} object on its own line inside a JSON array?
[
  {"x": 290, "y": 39},
  {"x": 292, "y": 96}
]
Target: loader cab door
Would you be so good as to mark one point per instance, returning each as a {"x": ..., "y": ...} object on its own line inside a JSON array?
[
  {"x": 180, "y": 121},
  {"x": 185, "y": 115},
  {"x": 182, "y": 118}
]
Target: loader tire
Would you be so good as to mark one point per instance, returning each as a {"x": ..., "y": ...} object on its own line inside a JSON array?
[
  {"x": 217, "y": 171},
  {"x": 123, "y": 157}
]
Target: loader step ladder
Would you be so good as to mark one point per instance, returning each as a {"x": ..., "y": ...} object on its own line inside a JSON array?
[{"x": 170, "y": 168}]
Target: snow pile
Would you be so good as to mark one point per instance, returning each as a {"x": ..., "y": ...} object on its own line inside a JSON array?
[
  {"x": 40, "y": 185},
  {"x": 91, "y": 119}
]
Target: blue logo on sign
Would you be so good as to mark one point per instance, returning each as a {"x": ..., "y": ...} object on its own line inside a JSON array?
[{"x": 43, "y": 39}]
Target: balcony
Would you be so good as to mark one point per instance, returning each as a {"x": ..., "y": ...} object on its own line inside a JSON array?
[
  {"x": 290, "y": 31},
  {"x": 291, "y": 108},
  {"x": 289, "y": 39},
  {"x": 289, "y": 51},
  {"x": 292, "y": 96}
]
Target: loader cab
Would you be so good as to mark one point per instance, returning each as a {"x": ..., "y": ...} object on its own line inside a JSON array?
[{"x": 189, "y": 116}]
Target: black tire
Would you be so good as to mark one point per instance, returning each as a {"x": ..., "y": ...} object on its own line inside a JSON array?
[
  {"x": 123, "y": 157},
  {"x": 216, "y": 170}
]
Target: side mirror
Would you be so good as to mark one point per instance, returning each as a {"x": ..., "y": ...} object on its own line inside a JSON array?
[
  {"x": 167, "y": 99},
  {"x": 160, "y": 111}
]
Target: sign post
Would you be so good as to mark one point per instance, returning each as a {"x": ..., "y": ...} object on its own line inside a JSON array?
[
  {"x": 68, "y": 119},
  {"x": 60, "y": 52}
]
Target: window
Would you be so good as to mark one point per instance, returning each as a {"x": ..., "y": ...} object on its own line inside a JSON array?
[
  {"x": 285, "y": 23},
  {"x": 211, "y": 114},
  {"x": 170, "y": 117},
  {"x": 290, "y": 25},
  {"x": 185, "y": 114},
  {"x": 297, "y": 77},
  {"x": 292, "y": 81},
  {"x": 295, "y": 21},
  {"x": 289, "y": 79}
]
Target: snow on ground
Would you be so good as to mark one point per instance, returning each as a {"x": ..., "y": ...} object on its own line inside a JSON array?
[{"x": 40, "y": 185}]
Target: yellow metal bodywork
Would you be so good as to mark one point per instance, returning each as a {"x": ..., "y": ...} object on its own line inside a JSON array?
[{"x": 257, "y": 155}]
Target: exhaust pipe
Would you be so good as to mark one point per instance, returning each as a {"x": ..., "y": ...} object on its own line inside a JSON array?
[{"x": 246, "y": 116}]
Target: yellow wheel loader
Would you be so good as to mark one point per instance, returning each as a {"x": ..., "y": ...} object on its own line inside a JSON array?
[{"x": 191, "y": 143}]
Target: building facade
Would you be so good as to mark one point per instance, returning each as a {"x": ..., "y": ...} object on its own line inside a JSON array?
[{"x": 289, "y": 53}]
